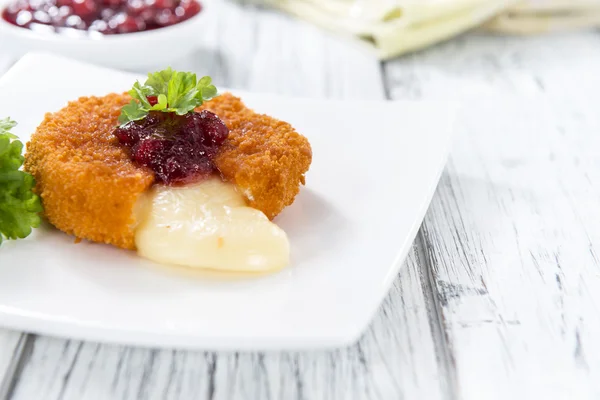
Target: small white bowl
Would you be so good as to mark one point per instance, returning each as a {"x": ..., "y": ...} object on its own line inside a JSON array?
[{"x": 128, "y": 51}]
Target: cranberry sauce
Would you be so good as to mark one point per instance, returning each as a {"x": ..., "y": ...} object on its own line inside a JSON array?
[
  {"x": 178, "y": 148},
  {"x": 105, "y": 17}
]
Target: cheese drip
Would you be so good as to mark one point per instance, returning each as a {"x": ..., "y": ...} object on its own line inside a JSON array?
[{"x": 208, "y": 225}]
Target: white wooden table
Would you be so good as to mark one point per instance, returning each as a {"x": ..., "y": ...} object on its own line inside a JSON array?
[{"x": 500, "y": 297}]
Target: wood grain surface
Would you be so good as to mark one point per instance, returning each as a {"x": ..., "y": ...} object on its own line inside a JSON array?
[
  {"x": 512, "y": 233},
  {"x": 500, "y": 296}
]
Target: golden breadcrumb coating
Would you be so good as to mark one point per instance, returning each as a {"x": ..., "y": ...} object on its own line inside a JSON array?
[
  {"x": 86, "y": 180},
  {"x": 264, "y": 157},
  {"x": 89, "y": 186}
]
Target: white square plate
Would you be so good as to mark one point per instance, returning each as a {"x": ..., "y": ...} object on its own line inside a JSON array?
[{"x": 375, "y": 169}]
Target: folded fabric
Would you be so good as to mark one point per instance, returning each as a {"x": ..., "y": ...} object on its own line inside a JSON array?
[
  {"x": 392, "y": 28},
  {"x": 395, "y": 27},
  {"x": 541, "y": 16},
  {"x": 537, "y": 6}
]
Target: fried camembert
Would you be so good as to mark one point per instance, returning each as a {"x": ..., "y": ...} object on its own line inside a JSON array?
[{"x": 173, "y": 171}]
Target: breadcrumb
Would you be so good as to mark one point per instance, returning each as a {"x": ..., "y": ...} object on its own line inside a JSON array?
[
  {"x": 89, "y": 186},
  {"x": 264, "y": 157},
  {"x": 86, "y": 180}
]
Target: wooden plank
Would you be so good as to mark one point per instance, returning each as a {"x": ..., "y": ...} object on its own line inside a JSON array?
[
  {"x": 14, "y": 347},
  {"x": 512, "y": 232},
  {"x": 476, "y": 66},
  {"x": 397, "y": 358}
]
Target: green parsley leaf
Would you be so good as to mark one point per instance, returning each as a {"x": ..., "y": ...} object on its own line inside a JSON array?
[
  {"x": 132, "y": 112},
  {"x": 6, "y": 125},
  {"x": 19, "y": 206},
  {"x": 159, "y": 81},
  {"x": 176, "y": 92},
  {"x": 141, "y": 93},
  {"x": 162, "y": 102}
]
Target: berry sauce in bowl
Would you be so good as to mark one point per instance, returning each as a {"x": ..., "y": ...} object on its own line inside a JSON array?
[
  {"x": 98, "y": 17},
  {"x": 134, "y": 35}
]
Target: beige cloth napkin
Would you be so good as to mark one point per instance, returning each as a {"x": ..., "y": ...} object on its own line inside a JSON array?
[
  {"x": 542, "y": 16},
  {"x": 394, "y": 27}
]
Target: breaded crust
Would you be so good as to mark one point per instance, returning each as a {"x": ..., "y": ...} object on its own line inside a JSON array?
[
  {"x": 87, "y": 182},
  {"x": 264, "y": 157},
  {"x": 89, "y": 186}
]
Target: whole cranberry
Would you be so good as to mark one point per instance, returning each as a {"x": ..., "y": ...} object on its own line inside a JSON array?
[
  {"x": 84, "y": 8},
  {"x": 24, "y": 18},
  {"x": 42, "y": 17},
  {"x": 166, "y": 17},
  {"x": 65, "y": 11},
  {"x": 131, "y": 24},
  {"x": 135, "y": 7},
  {"x": 165, "y": 3},
  {"x": 52, "y": 12},
  {"x": 190, "y": 8},
  {"x": 76, "y": 22},
  {"x": 21, "y": 5},
  {"x": 107, "y": 14},
  {"x": 148, "y": 15}
]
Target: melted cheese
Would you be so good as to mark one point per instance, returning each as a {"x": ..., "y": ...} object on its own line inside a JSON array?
[{"x": 208, "y": 225}]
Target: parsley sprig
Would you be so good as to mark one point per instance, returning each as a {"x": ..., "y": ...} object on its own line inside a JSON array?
[
  {"x": 19, "y": 206},
  {"x": 173, "y": 91}
]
